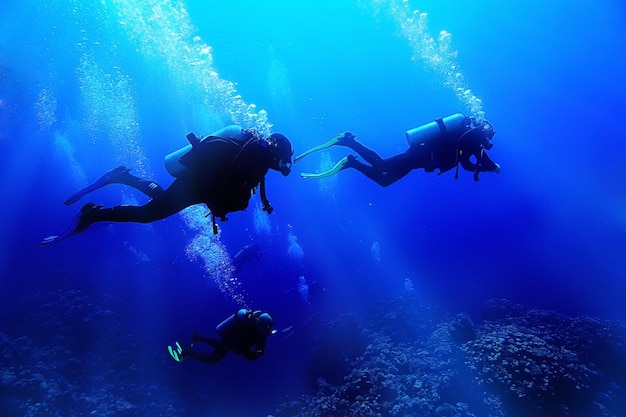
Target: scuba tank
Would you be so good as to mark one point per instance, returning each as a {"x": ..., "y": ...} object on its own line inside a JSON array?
[
  {"x": 172, "y": 160},
  {"x": 228, "y": 324},
  {"x": 448, "y": 127}
]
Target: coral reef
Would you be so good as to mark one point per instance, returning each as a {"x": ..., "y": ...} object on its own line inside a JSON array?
[
  {"x": 74, "y": 358},
  {"x": 413, "y": 360},
  {"x": 549, "y": 363},
  {"x": 64, "y": 352}
]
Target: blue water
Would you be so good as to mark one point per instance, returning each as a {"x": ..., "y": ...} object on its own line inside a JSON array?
[{"x": 87, "y": 86}]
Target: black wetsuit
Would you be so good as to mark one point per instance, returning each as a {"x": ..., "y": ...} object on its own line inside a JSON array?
[
  {"x": 437, "y": 154},
  {"x": 222, "y": 173},
  {"x": 245, "y": 338}
]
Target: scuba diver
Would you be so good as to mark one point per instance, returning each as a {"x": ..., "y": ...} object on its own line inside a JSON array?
[
  {"x": 307, "y": 290},
  {"x": 246, "y": 255},
  {"x": 442, "y": 144},
  {"x": 222, "y": 171},
  {"x": 245, "y": 333}
]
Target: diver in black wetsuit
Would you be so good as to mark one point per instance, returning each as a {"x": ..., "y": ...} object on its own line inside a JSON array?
[
  {"x": 465, "y": 144},
  {"x": 221, "y": 172},
  {"x": 246, "y": 255},
  {"x": 244, "y": 333}
]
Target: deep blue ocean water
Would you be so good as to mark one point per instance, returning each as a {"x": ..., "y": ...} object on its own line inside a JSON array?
[{"x": 87, "y": 86}]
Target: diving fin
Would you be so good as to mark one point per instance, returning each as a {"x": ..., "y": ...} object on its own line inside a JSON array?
[
  {"x": 338, "y": 167},
  {"x": 76, "y": 226},
  {"x": 176, "y": 353},
  {"x": 332, "y": 141},
  {"x": 106, "y": 179}
]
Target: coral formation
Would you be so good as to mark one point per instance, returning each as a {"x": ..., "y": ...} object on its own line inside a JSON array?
[
  {"x": 65, "y": 352},
  {"x": 416, "y": 361},
  {"x": 80, "y": 362}
]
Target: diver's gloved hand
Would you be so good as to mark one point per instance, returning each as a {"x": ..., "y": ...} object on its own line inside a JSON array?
[{"x": 267, "y": 207}]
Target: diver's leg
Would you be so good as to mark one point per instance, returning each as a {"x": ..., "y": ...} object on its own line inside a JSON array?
[
  {"x": 369, "y": 155},
  {"x": 197, "y": 337},
  {"x": 179, "y": 195},
  {"x": 149, "y": 188},
  {"x": 382, "y": 178},
  {"x": 99, "y": 183},
  {"x": 219, "y": 352},
  {"x": 119, "y": 175},
  {"x": 386, "y": 171},
  {"x": 345, "y": 139}
]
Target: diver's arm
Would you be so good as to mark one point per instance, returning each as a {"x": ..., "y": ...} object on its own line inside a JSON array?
[
  {"x": 471, "y": 143},
  {"x": 258, "y": 348},
  {"x": 256, "y": 351},
  {"x": 252, "y": 356},
  {"x": 483, "y": 162},
  {"x": 260, "y": 344},
  {"x": 266, "y": 204},
  {"x": 464, "y": 160}
]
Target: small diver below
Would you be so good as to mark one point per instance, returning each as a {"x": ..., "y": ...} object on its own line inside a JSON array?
[{"x": 247, "y": 254}]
